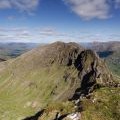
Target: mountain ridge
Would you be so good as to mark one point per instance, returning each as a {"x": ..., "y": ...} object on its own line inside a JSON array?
[{"x": 55, "y": 72}]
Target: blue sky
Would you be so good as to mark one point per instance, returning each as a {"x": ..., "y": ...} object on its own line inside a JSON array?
[{"x": 59, "y": 20}]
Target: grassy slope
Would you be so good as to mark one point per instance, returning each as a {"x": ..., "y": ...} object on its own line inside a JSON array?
[
  {"x": 114, "y": 63},
  {"x": 106, "y": 107},
  {"x": 112, "y": 60},
  {"x": 22, "y": 94},
  {"x": 25, "y": 86},
  {"x": 21, "y": 97}
]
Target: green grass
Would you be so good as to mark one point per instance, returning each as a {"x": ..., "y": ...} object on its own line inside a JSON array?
[
  {"x": 106, "y": 107},
  {"x": 115, "y": 68},
  {"x": 21, "y": 90},
  {"x": 113, "y": 63}
]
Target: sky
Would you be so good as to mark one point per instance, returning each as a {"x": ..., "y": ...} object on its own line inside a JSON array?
[{"x": 46, "y": 21}]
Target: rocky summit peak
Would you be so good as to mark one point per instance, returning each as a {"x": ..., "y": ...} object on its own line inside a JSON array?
[
  {"x": 58, "y": 52},
  {"x": 61, "y": 52}
]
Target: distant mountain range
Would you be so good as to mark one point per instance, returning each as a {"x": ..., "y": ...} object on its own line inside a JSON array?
[{"x": 12, "y": 50}]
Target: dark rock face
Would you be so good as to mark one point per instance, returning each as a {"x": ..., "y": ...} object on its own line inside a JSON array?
[
  {"x": 1, "y": 60},
  {"x": 36, "y": 116},
  {"x": 86, "y": 64}
]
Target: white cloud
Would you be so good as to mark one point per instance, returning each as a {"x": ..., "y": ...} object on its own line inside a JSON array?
[
  {"x": 4, "y": 4},
  {"x": 89, "y": 9},
  {"x": 117, "y": 3},
  {"x": 24, "y": 34},
  {"x": 86, "y": 9},
  {"x": 47, "y": 34},
  {"x": 11, "y": 17},
  {"x": 21, "y": 5},
  {"x": 51, "y": 32}
]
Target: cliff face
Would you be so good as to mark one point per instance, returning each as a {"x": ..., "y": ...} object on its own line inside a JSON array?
[
  {"x": 55, "y": 72},
  {"x": 85, "y": 72}
]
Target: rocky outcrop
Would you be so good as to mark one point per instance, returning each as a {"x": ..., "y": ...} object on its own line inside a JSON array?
[
  {"x": 91, "y": 71},
  {"x": 1, "y": 60}
]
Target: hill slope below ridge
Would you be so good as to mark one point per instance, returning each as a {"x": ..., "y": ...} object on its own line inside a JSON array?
[{"x": 51, "y": 73}]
